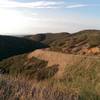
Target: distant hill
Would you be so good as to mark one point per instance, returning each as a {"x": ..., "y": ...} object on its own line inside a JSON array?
[
  {"x": 78, "y": 43},
  {"x": 83, "y": 42}
]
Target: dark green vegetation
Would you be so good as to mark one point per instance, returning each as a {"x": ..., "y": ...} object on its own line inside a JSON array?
[
  {"x": 69, "y": 43},
  {"x": 10, "y": 46}
]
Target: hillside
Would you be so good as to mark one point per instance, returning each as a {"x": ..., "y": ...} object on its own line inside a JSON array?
[
  {"x": 62, "y": 60},
  {"x": 60, "y": 66},
  {"x": 42, "y": 75},
  {"x": 83, "y": 42},
  {"x": 78, "y": 43}
]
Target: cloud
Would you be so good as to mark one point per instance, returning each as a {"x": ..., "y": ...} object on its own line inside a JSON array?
[
  {"x": 77, "y": 6},
  {"x": 39, "y": 4},
  {"x": 36, "y": 4}
]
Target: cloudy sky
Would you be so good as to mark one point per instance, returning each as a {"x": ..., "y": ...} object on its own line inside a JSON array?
[{"x": 36, "y": 16}]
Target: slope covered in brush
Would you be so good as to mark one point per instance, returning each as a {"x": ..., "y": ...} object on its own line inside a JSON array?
[
  {"x": 80, "y": 79},
  {"x": 70, "y": 43}
]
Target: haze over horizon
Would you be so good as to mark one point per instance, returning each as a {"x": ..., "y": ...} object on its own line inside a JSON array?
[{"x": 19, "y": 17}]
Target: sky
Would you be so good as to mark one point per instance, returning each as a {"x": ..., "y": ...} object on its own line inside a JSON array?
[{"x": 23, "y": 17}]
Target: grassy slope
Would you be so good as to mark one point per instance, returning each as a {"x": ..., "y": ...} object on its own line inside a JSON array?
[{"x": 80, "y": 80}]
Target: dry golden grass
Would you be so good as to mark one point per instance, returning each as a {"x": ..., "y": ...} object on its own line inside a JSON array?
[
  {"x": 20, "y": 89},
  {"x": 61, "y": 59},
  {"x": 80, "y": 80}
]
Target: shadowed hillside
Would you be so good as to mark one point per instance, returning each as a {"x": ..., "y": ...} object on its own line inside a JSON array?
[{"x": 10, "y": 46}]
